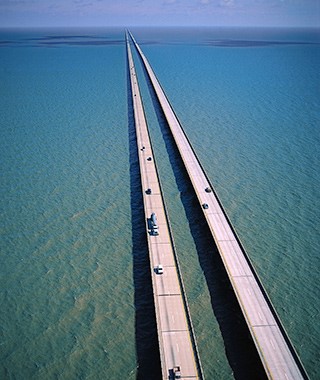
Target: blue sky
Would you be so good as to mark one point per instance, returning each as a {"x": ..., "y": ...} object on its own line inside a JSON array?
[{"x": 159, "y": 12}]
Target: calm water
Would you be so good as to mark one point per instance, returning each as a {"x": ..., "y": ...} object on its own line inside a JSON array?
[{"x": 76, "y": 301}]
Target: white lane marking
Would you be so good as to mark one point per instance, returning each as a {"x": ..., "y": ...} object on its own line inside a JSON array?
[
  {"x": 272, "y": 344},
  {"x": 177, "y": 347}
]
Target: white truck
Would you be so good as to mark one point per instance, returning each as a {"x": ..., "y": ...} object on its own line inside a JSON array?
[{"x": 154, "y": 224}]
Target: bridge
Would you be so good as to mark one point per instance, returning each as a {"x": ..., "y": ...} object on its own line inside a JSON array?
[
  {"x": 177, "y": 344},
  {"x": 275, "y": 349}
]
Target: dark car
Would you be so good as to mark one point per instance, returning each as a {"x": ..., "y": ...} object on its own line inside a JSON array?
[
  {"x": 148, "y": 191},
  {"x": 205, "y": 205},
  {"x": 208, "y": 190}
]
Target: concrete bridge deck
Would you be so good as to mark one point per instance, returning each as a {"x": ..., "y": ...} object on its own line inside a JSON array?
[
  {"x": 175, "y": 333},
  {"x": 277, "y": 354}
]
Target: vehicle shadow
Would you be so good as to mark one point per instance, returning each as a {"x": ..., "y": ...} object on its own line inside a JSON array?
[
  {"x": 147, "y": 349},
  {"x": 240, "y": 350}
]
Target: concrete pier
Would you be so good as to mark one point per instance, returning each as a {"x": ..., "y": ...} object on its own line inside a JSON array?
[
  {"x": 177, "y": 343},
  {"x": 276, "y": 352}
]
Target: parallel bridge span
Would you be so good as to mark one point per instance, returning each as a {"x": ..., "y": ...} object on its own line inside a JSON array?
[
  {"x": 276, "y": 352},
  {"x": 177, "y": 344}
]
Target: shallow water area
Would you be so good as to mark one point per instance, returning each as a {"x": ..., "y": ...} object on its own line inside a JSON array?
[{"x": 72, "y": 240}]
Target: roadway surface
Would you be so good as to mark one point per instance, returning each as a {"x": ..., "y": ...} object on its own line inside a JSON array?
[
  {"x": 175, "y": 335},
  {"x": 276, "y": 352}
]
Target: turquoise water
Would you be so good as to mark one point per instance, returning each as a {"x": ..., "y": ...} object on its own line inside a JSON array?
[{"x": 75, "y": 290}]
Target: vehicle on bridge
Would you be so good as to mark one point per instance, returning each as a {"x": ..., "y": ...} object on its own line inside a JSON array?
[
  {"x": 159, "y": 269},
  {"x": 154, "y": 224},
  {"x": 175, "y": 373}
]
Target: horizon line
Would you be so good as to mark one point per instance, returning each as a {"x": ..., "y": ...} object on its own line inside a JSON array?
[{"x": 160, "y": 26}]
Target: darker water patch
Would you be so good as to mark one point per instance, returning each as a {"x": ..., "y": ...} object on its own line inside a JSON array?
[
  {"x": 64, "y": 37},
  {"x": 70, "y": 36},
  {"x": 61, "y": 40},
  {"x": 253, "y": 43},
  {"x": 147, "y": 348},
  {"x": 240, "y": 350},
  {"x": 83, "y": 43}
]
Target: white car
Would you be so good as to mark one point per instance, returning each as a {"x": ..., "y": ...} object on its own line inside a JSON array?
[{"x": 160, "y": 269}]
